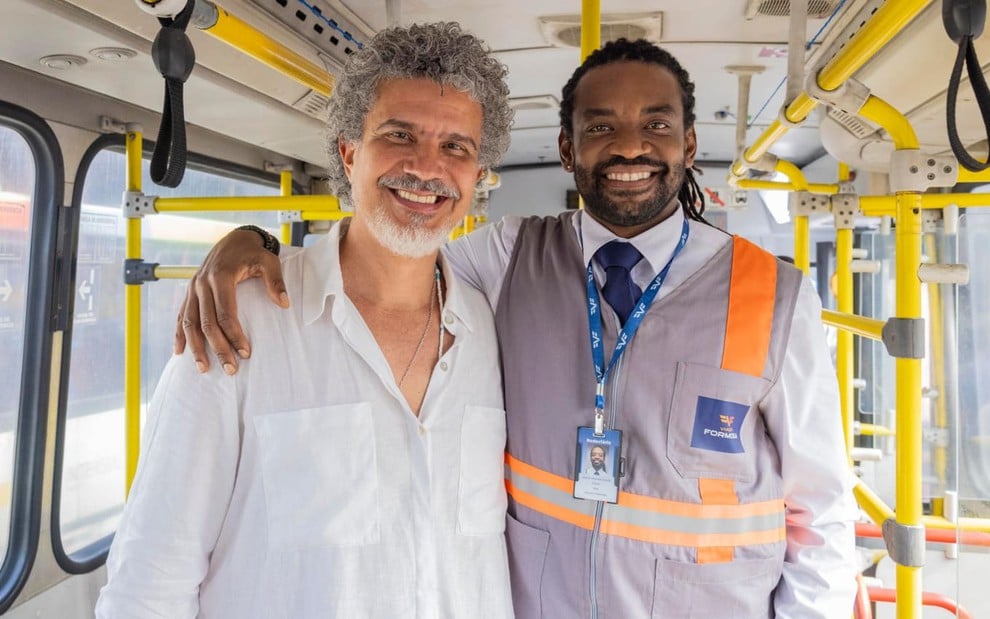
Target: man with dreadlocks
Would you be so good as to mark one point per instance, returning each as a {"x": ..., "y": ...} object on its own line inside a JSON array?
[{"x": 704, "y": 371}]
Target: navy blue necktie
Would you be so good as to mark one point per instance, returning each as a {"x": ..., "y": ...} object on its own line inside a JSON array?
[{"x": 617, "y": 258}]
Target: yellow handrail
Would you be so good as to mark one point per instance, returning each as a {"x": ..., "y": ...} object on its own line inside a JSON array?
[
  {"x": 285, "y": 190},
  {"x": 591, "y": 27},
  {"x": 877, "y": 32},
  {"x": 908, "y": 441},
  {"x": 857, "y": 325},
  {"x": 869, "y": 429},
  {"x": 260, "y": 46},
  {"x": 758, "y": 184},
  {"x": 322, "y": 203},
  {"x": 132, "y": 321},
  {"x": 844, "y": 339}
]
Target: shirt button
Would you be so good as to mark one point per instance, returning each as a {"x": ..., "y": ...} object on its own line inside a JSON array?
[
  {"x": 449, "y": 319},
  {"x": 422, "y": 429},
  {"x": 443, "y": 366}
]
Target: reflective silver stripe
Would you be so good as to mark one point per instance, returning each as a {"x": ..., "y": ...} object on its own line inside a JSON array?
[{"x": 650, "y": 519}]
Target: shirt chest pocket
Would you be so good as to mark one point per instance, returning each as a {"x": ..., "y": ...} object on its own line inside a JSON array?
[
  {"x": 320, "y": 476},
  {"x": 714, "y": 424}
]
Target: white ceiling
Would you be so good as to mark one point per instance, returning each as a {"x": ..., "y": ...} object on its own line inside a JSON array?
[{"x": 235, "y": 95}]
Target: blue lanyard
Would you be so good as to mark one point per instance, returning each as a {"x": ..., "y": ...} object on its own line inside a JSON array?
[{"x": 627, "y": 332}]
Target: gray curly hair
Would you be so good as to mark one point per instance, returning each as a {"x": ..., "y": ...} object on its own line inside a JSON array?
[{"x": 441, "y": 52}]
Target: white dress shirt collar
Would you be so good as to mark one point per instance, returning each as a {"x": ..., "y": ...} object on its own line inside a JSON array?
[
  {"x": 656, "y": 244},
  {"x": 321, "y": 284}
]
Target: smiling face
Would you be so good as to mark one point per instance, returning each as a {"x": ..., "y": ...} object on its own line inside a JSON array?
[
  {"x": 629, "y": 147},
  {"x": 414, "y": 170},
  {"x": 597, "y": 457}
]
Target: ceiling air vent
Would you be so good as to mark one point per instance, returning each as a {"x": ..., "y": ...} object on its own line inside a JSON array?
[
  {"x": 539, "y": 102},
  {"x": 817, "y": 9},
  {"x": 852, "y": 124},
  {"x": 313, "y": 104},
  {"x": 565, "y": 30}
]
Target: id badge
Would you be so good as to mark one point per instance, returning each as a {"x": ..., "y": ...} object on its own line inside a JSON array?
[{"x": 596, "y": 472}]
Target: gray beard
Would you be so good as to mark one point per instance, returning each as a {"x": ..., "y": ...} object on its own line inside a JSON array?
[{"x": 413, "y": 241}]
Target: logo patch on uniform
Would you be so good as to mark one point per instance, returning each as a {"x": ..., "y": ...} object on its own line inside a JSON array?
[{"x": 717, "y": 424}]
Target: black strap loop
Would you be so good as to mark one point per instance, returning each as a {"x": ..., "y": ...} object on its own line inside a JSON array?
[
  {"x": 174, "y": 58},
  {"x": 963, "y": 20}
]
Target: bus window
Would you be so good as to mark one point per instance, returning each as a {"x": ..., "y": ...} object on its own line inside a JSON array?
[
  {"x": 974, "y": 366},
  {"x": 92, "y": 482},
  {"x": 17, "y": 180}
]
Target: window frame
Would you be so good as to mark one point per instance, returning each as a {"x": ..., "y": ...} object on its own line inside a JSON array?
[
  {"x": 94, "y": 554},
  {"x": 32, "y": 415}
]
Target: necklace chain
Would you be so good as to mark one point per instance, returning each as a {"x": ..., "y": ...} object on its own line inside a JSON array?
[{"x": 426, "y": 328}]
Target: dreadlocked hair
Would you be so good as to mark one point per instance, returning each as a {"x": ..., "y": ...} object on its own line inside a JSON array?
[{"x": 691, "y": 197}]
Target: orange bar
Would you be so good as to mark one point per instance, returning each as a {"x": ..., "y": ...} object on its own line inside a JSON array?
[
  {"x": 937, "y": 536},
  {"x": 879, "y": 594},
  {"x": 747, "y": 329}
]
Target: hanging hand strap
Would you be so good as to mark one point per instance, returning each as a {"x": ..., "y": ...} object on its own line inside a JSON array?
[
  {"x": 963, "y": 21},
  {"x": 174, "y": 58}
]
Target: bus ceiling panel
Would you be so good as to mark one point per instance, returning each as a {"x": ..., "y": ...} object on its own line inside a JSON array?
[
  {"x": 211, "y": 52},
  {"x": 46, "y": 97},
  {"x": 33, "y": 29},
  {"x": 213, "y": 100}
]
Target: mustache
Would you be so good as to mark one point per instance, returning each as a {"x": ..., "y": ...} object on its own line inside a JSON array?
[
  {"x": 410, "y": 182},
  {"x": 600, "y": 167}
]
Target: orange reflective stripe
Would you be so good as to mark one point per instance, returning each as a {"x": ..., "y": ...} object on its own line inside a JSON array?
[
  {"x": 715, "y": 554},
  {"x": 570, "y": 516},
  {"x": 677, "y": 538},
  {"x": 652, "y": 504},
  {"x": 695, "y": 510},
  {"x": 719, "y": 492},
  {"x": 751, "y": 301}
]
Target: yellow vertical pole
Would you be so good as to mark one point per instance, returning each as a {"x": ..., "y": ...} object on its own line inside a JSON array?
[
  {"x": 132, "y": 321},
  {"x": 844, "y": 337},
  {"x": 802, "y": 244},
  {"x": 908, "y": 373},
  {"x": 907, "y": 243},
  {"x": 591, "y": 27},
  {"x": 285, "y": 184}
]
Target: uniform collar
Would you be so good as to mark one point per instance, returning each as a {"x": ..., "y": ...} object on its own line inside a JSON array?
[{"x": 656, "y": 244}]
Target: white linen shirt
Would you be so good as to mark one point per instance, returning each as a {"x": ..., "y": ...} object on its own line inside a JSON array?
[
  {"x": 820, "y": 563},
  {"x": 304, "y": 486}
]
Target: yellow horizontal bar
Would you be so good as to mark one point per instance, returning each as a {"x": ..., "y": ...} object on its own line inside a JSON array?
[
  {"x": 175, "y": 272},
  {"x": 756, "y": 184},
  {"x": 962, "y": 200},
  {"x": 981, "y": 525},
  {"x": 869, "y": 429},
  {"x": 968, "y": 176},
  {"x": 878, "y": 511},
  {"x": 325, "y": 215},
  {"x": 250, "y": 203},
  {"x": 865, "y": 327},
  {"x": 876, "y": 206},
  {"x": 260, "y": 46},
  {"x": 883, "y": 26}
]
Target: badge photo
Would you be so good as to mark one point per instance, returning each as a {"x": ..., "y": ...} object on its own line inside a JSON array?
[{"x": 596, "y": 469}]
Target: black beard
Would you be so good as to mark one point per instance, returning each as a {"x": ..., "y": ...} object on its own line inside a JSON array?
[{"x": 589, "y": 184}]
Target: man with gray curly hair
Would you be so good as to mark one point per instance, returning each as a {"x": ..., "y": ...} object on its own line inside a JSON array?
[{"x": 353, "y": 467}]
